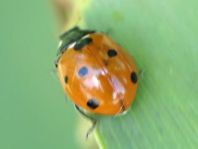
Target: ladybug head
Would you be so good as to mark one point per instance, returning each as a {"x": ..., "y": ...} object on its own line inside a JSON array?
[{"x": 71, "y": 36}]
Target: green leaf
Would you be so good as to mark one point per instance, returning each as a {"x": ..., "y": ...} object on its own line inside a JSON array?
[{"x": 162, "y": 36}]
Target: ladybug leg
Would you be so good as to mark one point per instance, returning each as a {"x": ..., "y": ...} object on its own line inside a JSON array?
[
  {"x": 91, "y": 129},
  {"x": 94, "y": 122},
  {"x": 141, "y": 73}
]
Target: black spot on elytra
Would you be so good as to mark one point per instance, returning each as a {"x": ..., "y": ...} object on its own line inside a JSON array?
[
  {"x": 134, "y": 77},
  {"x": 111, "y": 53},
  {"x": 83, "y": 71},
  {"x": 93, "y": 103},
  {"x": 66, "y": 79},
  {"x": 80, "y": 44}
]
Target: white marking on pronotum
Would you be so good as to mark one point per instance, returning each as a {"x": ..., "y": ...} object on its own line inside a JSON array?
[
  {"x": 60, "y": 43},
  {"x": 85, "y": 36},
  {"x": 71, "y": 45}
]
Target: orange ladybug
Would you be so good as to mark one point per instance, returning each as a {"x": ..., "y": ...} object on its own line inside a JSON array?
[{"x": 96, "y": 73}]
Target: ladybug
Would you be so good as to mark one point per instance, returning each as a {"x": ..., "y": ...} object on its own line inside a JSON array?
[{"x": 96, "y": 73}]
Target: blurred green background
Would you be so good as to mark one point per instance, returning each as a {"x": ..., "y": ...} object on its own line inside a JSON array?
[{"x": 33, "y": 110}]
